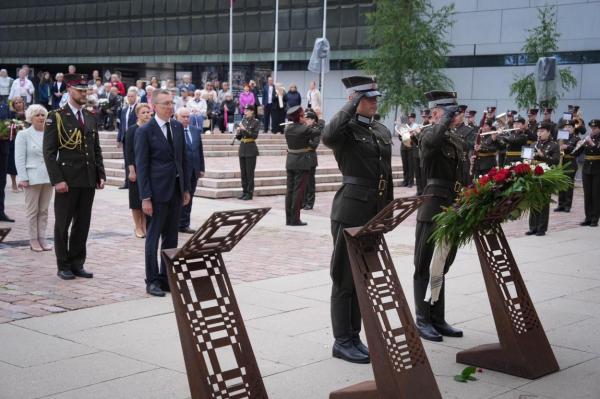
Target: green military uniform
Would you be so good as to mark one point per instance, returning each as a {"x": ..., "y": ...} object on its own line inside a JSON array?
[
  {"x": 467, "y": 134},
  {"x": 363, "y": 150},
  {"x": 565, "y": 198},
  {"x": 247, "y": 153},
  {"x": 72, "y": 155},
  {"x": 591, "y": 176},
  {"x": 311, "y": 189},
  {"x": 301, "y": 157},
  {"x": 514, "y": 143},
  {"x": 416, "y": 138},
  {"x": 538, "y": 221},
  {"x": 486, "y": 156}
]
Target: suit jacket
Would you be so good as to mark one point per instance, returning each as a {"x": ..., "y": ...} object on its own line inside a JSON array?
[
  {"x": 195, "y": 152},
  {"x": 125, "y": 123},
  {"x": 79, "y": 165},
  {"x": 29, "y": 157},
  {"x": 157, "y": 165},
  {"x": 191, "y": 88},
  {"x": 55, "y": 89},
  {"x": 265, "y": 96}
]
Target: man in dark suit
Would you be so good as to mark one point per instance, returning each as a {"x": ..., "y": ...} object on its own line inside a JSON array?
[
  {"x": 195, "y": 158},
  {"x": 187, "y": 84},
  {"x": 267, "y": 101},
  {"x": 127, "y": 118},
  {"x": 164, "y": 183},
  {"x": 74, "y": 161},
  {"x": 58, "y": 89}
]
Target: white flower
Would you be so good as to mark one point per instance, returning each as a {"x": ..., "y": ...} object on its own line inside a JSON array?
[{"x": 544, "y": 166}]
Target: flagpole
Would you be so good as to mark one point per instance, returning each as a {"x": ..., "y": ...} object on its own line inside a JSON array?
[
  {"x": 231, "y": 45},
  {"x": 323, "y": 61},
  {"x": 276, "y": 41}
]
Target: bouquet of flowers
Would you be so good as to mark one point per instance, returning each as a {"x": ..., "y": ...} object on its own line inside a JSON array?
[
  {"x": 9, "y": 128},
  {"x": 518, "y": 188}
]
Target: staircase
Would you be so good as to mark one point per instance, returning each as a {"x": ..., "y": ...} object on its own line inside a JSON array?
[{"x": 222, "y": 177}]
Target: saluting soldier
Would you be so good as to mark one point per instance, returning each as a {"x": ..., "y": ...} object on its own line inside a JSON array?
[
  {"x": 301, "y": 157},
  {"x": 363, "y": 150},
  {"x": 565, "y": 198},
  {"x": 247, "y": 132},
  {"x": 515, "y": 141},
  {"x": 443, "y": 157},
  {"x": 311, "y": 118},
  {"x": 532, "y": 125},
  {"x": 486, "y": 150},
  {"x": 416, "y": 138},
  {"x": 545, "y": 150},
  {"x": 74, "y": 161},
  {"x": 591, "y": 174}
]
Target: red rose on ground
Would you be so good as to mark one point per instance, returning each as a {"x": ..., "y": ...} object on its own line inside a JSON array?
[
  {"x": 538, "y": 171},
  {"x": 492, "y": 172},
  {"x": 483, "y": 180},
  {"x": 522, "y": 169},
  {"x": 502, "y": 175}
]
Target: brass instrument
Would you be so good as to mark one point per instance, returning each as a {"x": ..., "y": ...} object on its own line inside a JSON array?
[
  {"x": 404, "y": 134},
  {"x": 502, "y": 119},
  {"x": 499, "y": 132}
]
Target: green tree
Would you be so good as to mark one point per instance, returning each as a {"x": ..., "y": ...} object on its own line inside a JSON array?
[
  {"x": 410, "y": 48},
  {"x": 542, "y": 42}
]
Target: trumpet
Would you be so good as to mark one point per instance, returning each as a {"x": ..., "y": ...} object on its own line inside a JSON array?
[
  {"x": 499, "y": 132},
  {"x": 404, "y": 133}
]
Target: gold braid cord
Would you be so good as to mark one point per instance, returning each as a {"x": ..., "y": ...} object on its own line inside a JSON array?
[{"x": 66, "y": 140}]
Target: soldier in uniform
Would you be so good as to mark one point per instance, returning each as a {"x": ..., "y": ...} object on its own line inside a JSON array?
[
  {"x": 545, "y": 150},
  {"x": 363, "y": 150},
  {"x": 301, "y": 158},
  {"x": 515, "y": 140},
  {"x": 74, "y": 161},
  {"x": 311, "y": 118},
  {"x": 247, "y": 132},
  {"x": 406, "y": 150},
  {"x": 468, "y": 135},
  {"x": 425, "y": 115},
  {"x": 591, "y": 174},
  {"x": 486, "y": 150},
  {"x": 565, "y": 198},
  {"x": 510, "y": 118},
  {"x": 548, "y": 120},
  {"x": 443, "y": 158},
  {"x": 532, "y": 125}
]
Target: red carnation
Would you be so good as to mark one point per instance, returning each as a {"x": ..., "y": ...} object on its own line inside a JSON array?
[
  {"x": 483, "y": 180},
  {"x": 492, "y": 172},
  {"x": 522, "y": 169},
  {"x": 501, "y": 176},
  {"x": 538, "y": 171}
]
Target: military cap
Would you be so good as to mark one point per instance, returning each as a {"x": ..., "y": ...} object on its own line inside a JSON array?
[
  {"x": 425, "y": 113},
  {"x": 520, "y": 119},
  {"x": 511, "y": 112},
  {"x": 462, "y": 108},
  {"x": 533, "y": 111},
  {"x": 594, "y": 123},
  {"x": 490, "y": 110},
  {"x": 412, "y": 115},
  {"x": 293, "y": 110},
  {"x": 439, "y": 98},
  {"x": 472, "y": 112},
  {"x": 545, "y": 125},
  {"x": 76, "y": 80},
  {"x": 361, "y": 84}
]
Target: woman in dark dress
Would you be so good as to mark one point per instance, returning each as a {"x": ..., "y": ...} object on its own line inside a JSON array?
[
  {"x": 278, "y": 109},
  {"x": 143, "y": 113},
  {"x": 293, "y": 97},
  {"x": 18, "y": 113}
]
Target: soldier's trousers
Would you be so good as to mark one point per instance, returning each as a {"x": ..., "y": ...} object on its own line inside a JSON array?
[
  {"x": 424, "y": 251},
  {"x": 565, "y": 198},
  {"x": 538, "y": 221},
  {"x": 247, "y": 167},
  {"x": 407, "y": 166},
  {"x": 297, "y": 181},
  {"x": 591, "y": 196},
  {"x": 418, "y": 172},
  {"x": 345, "y": 312},
  {"x": 72, "y": 209},
  {"x": 311, "y": 188}
]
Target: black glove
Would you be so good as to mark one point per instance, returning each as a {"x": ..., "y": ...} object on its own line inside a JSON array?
[
  {"x": 450, "y": 111},
  {"x": 356, "y": 100}
]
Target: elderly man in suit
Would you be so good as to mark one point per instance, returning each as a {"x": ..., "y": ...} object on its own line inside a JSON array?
[
  {"x": 164, "y": 184},
  {"x": 127, "y": 118},
  {"x": 195, "y": 158},
  {"x": 268, "y": 96}
]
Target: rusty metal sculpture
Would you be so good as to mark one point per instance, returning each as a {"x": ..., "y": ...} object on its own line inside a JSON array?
[
  {"x": 523, "y": 349},
  {"x": 400, "y": 364},
  {"x": 4, "y": 232},
  {"x": 218, "y": 356}
]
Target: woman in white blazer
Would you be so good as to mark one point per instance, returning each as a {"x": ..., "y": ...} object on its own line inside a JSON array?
[{"x": 33, "y": 176}]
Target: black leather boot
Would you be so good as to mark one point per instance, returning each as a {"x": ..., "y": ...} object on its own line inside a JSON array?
[
  {"x": 344, "y": 348},
  {"x": 359, "y": 345},
  {"x": 423, "y": 313},
  {"x": 438, "y": 318}
]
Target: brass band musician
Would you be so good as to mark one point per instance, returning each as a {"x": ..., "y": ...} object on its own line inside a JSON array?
[{"x": 590, "y": 147}]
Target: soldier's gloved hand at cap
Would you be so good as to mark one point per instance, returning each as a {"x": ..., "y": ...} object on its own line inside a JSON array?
[
  {"x": 356, "y": 99},
  {"x": 450, "y": 112}
]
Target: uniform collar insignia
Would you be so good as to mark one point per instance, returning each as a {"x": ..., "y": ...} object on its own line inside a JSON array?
[{"x": 363, "y": 120}]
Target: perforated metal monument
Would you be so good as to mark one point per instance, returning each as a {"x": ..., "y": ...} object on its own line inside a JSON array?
[
  {"x": 399, "y": 361},
  {"x": 218, "y": 356}
]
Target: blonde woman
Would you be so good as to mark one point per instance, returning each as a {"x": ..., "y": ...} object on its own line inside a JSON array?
[
  {"x": 143, "y": 113},
  {"x": 33, "y": 176}
]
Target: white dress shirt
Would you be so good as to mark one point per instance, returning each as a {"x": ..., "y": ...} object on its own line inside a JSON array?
[{"x": 163, "y": 125}]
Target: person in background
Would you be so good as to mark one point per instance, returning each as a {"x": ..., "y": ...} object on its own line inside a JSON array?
[
  {"x": 292, "y": 97},
  {"x": 187, "y": 84},
  {"x": 141, "y": 86},
  {"x": 112, "y": 110},
  {"x": 45, "y": 91},
  {"x": 227, "y": 112},
  {"x": 254, "y": 91},
  {"x": 115, "y": 81},
  {"x": 99, "y": 87},
  {"x": 18, "y": 113},
  {"x": 268, "y": 99},
  {"x": 5, "y": 86},
  {"x": 212, "y": 112},
  {"x": 72, "y": 69},
  {"x": 95, "y": 76},
  {"x": 143, "y": 114},
  {"x": 278, "y": 109},
  {"x": 33, "y": 176},
  {"x": 127, "y": 118},
  {"x": 154, "y": 82},
  {"x": 195, "y": 158},
  {"x": 22, "y": 87},
  {"x": 170, "y": 85},
  {"x": 58, "y": 90},
  {"x": 313, "y": 96},
  {"x": 183, "y": 99},
  {"x": 224, "y": 90},
  {"x": 246, "y": 98},
  {"x": 247, "y": 133},
  {"x": 147, "y": 98},
  {"x": 313, "y": 118},
  {"x": 210, "y": 90},
  {"x": 197, "y": 106}
]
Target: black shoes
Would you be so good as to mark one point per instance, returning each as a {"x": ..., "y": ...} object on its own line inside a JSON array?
[
  {"x": 345, "y": 349},
  {"x": 540, "y": 233},
  {"x": 559, "y": 209},
  {"x": 297, "y": 223},
  {"x": 187, "y": 230},
  {"x": 307, "y": 207},
  {"x": 65, "y": 275},
  {"x": 4, "y": 218},
  {"x": 164, "y": 285},
  {"x": 567, "y": 210},
  {"x": 154, "y": 290},
  {"x": 245, "y": 197},
  {"x": 241, "y": 197},
  {"x": 530, "y": 233},
  {"x": 359, "y": 345},
  {"x": 594, "y": 224},
  {"x": 83, "y": 273},
  {"x": 427, "y": 331},
  {"x": 447, "y": 330},
  {"x": 585, "y": 223}
]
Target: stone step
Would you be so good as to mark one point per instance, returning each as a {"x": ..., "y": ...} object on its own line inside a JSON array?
[
  {"x": 116, "y": 154},
  {"x": 234, "y": 153},
  {"x": 215, "y": 193}
]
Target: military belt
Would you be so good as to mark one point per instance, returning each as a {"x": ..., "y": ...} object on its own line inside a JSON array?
[
  {"x": 513, "y": 153},
  {"x": 380, "y": 185},
  {"x": 248, "y": 140},
  {"x": 568, "y": 156},
  {"x": 487, "y": 154},
  {"x": 301, "y": 150},
  {"x": 452, "y": 185},
  {"x": 592, "y": 157}
]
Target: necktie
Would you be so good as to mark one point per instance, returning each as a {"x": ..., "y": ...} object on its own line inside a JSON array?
[
  {"x": 188, "y": 138},
  {"x": 169, "y": 135},
  {"x": 80, "y": 119}
]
